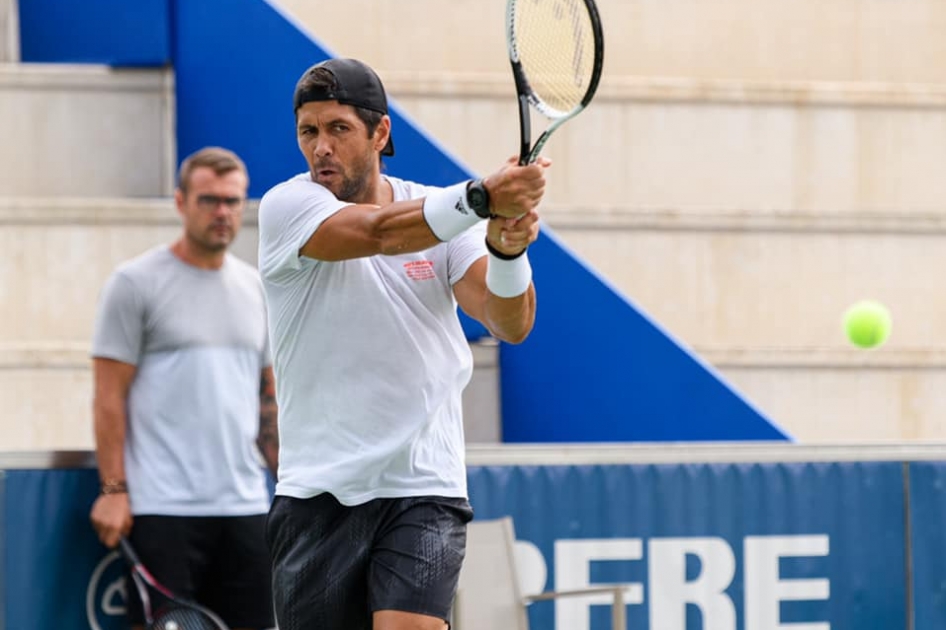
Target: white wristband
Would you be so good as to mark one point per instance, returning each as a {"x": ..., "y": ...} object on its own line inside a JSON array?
[
  {"x": 447, "y": 212},
  {"x": 508, "y": 278}
]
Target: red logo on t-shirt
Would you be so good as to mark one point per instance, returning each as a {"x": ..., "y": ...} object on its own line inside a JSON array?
[{"x": 420, "y": 270}]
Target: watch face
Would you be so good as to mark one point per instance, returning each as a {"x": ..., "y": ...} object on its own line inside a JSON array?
[{"x": 476, "y": 198}]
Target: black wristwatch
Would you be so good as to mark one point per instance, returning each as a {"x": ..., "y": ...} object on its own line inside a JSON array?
[{"x": 477, "y": 197}]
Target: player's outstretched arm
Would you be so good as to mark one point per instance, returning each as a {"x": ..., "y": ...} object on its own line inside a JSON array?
[
  {"x": 402, "y": 227},
  {"x": 362, "y": 230}
]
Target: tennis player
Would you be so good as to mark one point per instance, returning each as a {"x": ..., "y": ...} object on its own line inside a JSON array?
[{"x": 363, "y": 273}]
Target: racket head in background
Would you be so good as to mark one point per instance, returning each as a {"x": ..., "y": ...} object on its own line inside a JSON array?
[
  {"x": 162, "y": 608},
  {"x": 556, "y": 49},
  {"x": 177, "y": 615}
]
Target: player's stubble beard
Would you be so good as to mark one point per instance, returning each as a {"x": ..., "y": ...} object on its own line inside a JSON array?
[{"x": 353, "y": 184}]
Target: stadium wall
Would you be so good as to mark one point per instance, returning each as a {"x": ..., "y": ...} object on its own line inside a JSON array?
[{"x": 236, "y": 62}]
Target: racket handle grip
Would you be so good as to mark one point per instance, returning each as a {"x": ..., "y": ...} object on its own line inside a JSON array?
[{"x": 525, "y": 130}]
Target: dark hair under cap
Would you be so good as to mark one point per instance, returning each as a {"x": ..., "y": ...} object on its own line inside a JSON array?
[{"x": 355, "y": 84}]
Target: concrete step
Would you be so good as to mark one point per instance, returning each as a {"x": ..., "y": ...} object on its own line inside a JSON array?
[
  {"x": 702, "y": 145},
  {"x": 47, "y": 388},
  {"x": 843, "y": 395},
  {"x": 802, "y": 40},
  {"x": 767, "y": 279},
  {"x": 46, "y": 395},
  {"x": 59, "y": 252},
  {"x": 85, "y": 131}
]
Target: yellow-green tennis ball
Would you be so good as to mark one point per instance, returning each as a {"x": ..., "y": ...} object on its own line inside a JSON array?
[{"x": 867, "y": 323}]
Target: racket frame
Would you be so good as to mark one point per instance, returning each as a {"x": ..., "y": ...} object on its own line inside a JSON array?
[
  {"x": 143, "y": 578},
  {"x": 528, "y": 153}
]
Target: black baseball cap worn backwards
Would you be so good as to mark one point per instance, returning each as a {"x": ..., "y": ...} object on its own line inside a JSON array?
[{"x": 356, "y": 85}]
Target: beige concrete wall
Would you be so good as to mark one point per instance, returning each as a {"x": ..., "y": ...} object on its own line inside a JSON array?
[
  {"x": 46, "y": 391},
  {"x": 9, "y": 32},
  {"x": 46, "y": 396},
  {"x": 744, "y": 282},
  {"x": 761, "y": 297},
  {"x": 748, "y": 169},
  {"x": 481, "y": 404},
  {"x": 58, "y": 254},
  {"x": 85, "y": 131},
  {"x": 802, "y": 40},
  {"x": 677, "y": 146},
  {"x": 845, "y": 395}
]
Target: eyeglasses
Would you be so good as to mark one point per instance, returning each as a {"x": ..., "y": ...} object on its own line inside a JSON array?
[{"x": 209, "y": 203}]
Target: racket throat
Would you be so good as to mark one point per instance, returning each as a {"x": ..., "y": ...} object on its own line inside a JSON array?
[{"x": 525, "y": 129}]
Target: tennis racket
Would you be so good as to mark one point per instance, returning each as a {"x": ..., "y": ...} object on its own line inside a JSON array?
[
  {"x": 556, "y": 48},
  {"x": 163, "y": 609}
]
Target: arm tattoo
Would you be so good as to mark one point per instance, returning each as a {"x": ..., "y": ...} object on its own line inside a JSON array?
[{"x": 268, "y": 438}]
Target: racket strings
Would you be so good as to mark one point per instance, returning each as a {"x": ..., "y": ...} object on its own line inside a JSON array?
[
  {"x": 555, "y": 41},
  {"x": 182, "y": 618}
]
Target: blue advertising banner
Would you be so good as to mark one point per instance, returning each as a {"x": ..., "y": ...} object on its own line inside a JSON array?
[
  {"x": 928, "y": 543},
  {"x": 775, "y": 546},
  {"x": 58, "y": 576},
  {"x": 3, "y": 553},
  {"x": 711, "y": 546}
]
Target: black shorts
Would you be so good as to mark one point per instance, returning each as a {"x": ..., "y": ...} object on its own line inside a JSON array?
[
  {"x": 334, "y": 565},
  {"x": 218, "y": 561}
]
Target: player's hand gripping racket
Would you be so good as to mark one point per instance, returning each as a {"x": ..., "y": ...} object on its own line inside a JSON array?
[
  {"x": 163, "y": 609},
  {"x": 556, "y": 48}
]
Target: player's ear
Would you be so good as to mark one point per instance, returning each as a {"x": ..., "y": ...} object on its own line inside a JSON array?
[
  {"x": 179, "y": 199},
  {"x": 382, "y": 133}
]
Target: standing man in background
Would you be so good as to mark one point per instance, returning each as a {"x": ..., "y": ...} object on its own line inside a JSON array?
[
  {"x": 363, "y": 274},
  {"x": 182, "y": 372}
]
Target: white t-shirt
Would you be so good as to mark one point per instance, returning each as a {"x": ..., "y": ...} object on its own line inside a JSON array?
[{"x": 370, "y": 357}]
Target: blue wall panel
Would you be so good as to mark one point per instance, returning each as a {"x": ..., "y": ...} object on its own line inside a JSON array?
[
  {"x": 858, "y": 506},
  {"x": 928, "y": 540},
  {"x": 114, "y": 32}
]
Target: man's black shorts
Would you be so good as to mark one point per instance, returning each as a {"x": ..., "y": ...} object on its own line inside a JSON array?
[
  {"x": 334, "y": 565},
  {"x": 218, "y": 561}
]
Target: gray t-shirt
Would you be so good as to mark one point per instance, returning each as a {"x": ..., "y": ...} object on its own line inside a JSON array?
[{"x": 198, "y": 338}]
